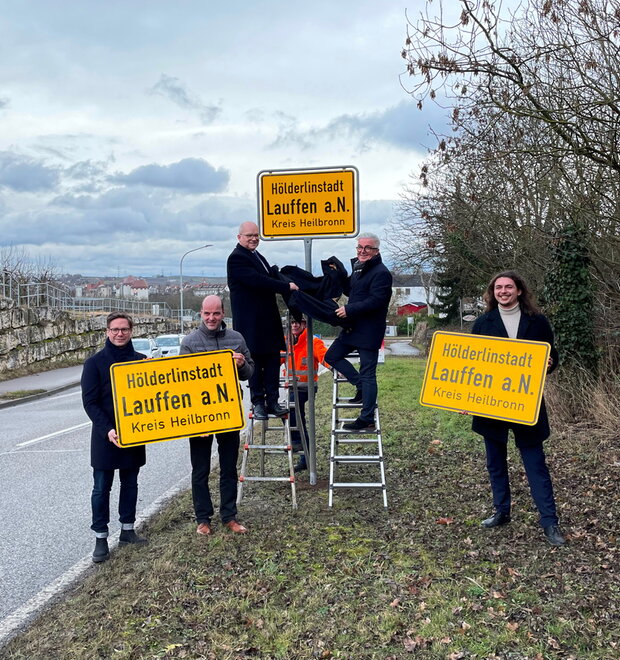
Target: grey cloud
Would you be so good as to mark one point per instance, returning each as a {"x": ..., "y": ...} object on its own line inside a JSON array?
[
  {"x": 23, "y": 174},
  {"x": 402, "y": 126},
  {"x": 4, "y": 102},
  {"x": 190, "y": 174},
  {"x": 173, "y": 89}
]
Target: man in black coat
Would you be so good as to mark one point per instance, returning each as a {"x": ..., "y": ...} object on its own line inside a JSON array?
[
  {"x": 369, "y": 290},
  {"x": 106, "y": 455},
  {"x": 253, "y": 287},
  {"x": 511, "y": 312}
]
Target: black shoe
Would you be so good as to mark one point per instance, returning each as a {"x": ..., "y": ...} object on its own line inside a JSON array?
[
  {"x": 554, "y": 535},
  {"x": 277, "y": 410},
  {"x": 359, "y": 425},
  {"x": 129, "y": 536},
  {"x": 102, "y": 551},
  {"x": 296, "y": 447},
  {"x": 300, "y": 467},
  {"x": 357, "y": 398},
  {"x": 259, "y": 412},
  {"x": 497, "y": 519}
]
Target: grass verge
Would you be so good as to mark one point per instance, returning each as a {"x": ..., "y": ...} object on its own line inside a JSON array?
[{"x": 422, "y": 580}]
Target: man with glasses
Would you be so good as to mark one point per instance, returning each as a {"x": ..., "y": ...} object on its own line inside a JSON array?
[
  {"x": 369, "y": 290},
  {"x": 106, "y": 454},
  {"x": 253, "y": 287}
]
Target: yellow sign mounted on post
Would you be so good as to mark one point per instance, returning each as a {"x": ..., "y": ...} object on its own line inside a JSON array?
[
  {"x": 176, "y": 397},
  {"x": 308, "y": 203},
  {"x": 487, "y": 376}
]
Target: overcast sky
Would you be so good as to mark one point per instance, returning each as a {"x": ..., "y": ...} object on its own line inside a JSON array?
[{"x": 134, "y": 131}]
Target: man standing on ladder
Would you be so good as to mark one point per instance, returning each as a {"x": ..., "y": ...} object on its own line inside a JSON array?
[
  {"x": 253, "y": 289},
  {"x": 369, "y": 289},
  {"x": 299, "y": 353}
]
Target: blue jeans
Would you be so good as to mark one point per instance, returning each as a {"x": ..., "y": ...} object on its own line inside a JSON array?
[
  {"x": 537, "y": 474},
  {"x": 365, "y": 379},
  {"x": 200, "y": 454},
  {"x": 100, "y": 498}
]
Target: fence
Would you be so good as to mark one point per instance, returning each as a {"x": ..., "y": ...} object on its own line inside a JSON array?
[{"x": 44, "y": 294}]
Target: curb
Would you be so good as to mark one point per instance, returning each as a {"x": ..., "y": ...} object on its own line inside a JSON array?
[{"x": 33, "y": 397}]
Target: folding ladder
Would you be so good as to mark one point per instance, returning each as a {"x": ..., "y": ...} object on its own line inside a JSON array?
[
  {"x": 360, "y": 447},
  {"x": 273, "y": 436}
]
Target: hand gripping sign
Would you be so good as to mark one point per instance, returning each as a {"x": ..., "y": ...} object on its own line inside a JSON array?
[
  {"x": 176, "y": 397},
  {"x": 487, "y": 376}
]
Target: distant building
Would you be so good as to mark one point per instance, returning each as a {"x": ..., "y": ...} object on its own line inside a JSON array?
[
  {"x": 412, "y": 293},
  {"x": 133, "y": 287}
]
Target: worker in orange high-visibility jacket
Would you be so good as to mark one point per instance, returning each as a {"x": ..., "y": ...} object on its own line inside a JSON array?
[{"x": 300, "y": 357}]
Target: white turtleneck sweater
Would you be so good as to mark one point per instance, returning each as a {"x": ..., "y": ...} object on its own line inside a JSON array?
[{"x": 511, "y": 318}]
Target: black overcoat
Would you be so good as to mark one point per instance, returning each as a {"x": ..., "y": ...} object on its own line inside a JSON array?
[
  {"x": 369, "y": 290},
  {"x": 99, "y": 406},
  {"x": 255, "y": 310},
  {"x": 534, "y": 327}
]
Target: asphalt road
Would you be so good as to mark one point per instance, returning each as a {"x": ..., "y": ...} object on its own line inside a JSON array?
[{"x": 45, "y": 485}]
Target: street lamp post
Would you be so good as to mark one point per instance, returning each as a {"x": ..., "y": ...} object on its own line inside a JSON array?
[{"x": 181, "y": 275}]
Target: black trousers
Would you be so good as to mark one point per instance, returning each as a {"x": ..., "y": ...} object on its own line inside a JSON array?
[
  {"x": 537, "y": 474},
  {"x": 200, "y": 454},
  {"x": 265, "y": 381},
  {"x": 100, "y": 498}
]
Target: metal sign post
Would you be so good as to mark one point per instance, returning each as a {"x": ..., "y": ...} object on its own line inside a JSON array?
[{"x": 309, "y": 203}]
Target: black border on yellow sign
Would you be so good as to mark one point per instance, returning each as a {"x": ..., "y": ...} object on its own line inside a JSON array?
[
  {"x": 263, "y": 174},
  {"x": 119, "y": 366}
]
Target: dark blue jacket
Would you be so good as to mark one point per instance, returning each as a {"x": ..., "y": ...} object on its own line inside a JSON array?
[
  {"x": 369, "y": 291},
  {"x": 534, "y": 327},
  {"x": 99, "y": 406},
  {"x": 255, "y": 310}
]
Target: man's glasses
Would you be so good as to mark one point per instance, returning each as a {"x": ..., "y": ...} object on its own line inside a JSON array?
[
  {"x": 365, "y": 248},
  {"x": 116, "y": 331},
  {"x": 250, "y": 235}
]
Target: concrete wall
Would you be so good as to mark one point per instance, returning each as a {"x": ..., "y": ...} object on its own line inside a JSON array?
[{"x": 44, "y": 335}]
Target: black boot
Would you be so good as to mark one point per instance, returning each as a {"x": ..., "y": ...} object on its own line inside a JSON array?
[
  {"x": 101, "y": 552},
  {"x": 129, "y": 536},
  {"x": 497, "y": 519}
]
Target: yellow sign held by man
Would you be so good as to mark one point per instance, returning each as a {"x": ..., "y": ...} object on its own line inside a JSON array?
[
  {"x": 176, "y": 397},
  {"x": 488, "y": 376}
]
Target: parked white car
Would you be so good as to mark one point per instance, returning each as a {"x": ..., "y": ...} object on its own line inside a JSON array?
[
  {"x": 146, "y": 345},
  {"x": 169, "y": 344}
]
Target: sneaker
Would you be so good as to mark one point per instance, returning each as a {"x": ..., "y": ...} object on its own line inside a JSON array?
[
  {"x": 129, "y": 537},
  {"x": 359, "y": 425},
  {"x": 102, "y": 551}
]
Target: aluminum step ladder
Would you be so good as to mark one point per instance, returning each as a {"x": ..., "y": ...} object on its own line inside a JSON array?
[
  {"x": 360, "y": 447},
  {"x": 272, "y": 437}
]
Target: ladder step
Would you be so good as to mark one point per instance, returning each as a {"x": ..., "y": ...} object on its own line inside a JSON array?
[
  {"x": 283, "y": 447},
  {"x": 357, "y": 459},
  {"x": 376, "y": 431},
  {"x": 346, "y": 404},
  {"x": 362, "y": 484},
  {"x": 267, "y": 479},
  {"x": 358, "y": 441}
]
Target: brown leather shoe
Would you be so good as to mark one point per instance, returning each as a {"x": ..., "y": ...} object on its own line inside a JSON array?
[
  {"x": 235, "y": 527},
  {"x": 204, "y": 529}
]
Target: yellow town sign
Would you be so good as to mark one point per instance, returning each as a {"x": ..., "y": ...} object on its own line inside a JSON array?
[
  {"x": 319, "y": 203},
  {"x": 487, "y": 376},
  {"x": 176, "y": 397}
]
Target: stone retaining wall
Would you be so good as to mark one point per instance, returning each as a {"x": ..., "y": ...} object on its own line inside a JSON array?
[{"x": 44, "y": 335}]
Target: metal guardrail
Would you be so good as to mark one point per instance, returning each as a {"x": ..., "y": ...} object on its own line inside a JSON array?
[{"x": 44, "y": 294}]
